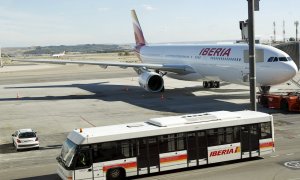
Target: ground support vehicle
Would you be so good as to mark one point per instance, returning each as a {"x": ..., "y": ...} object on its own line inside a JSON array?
[
  {"x": 25, "y": 139},
  {"x": 287, "y": 101}
]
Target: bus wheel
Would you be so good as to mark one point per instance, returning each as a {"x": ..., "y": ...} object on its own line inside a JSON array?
[
  {"x": 284, "y": 105},
  {"x": 116, "y": 174}
]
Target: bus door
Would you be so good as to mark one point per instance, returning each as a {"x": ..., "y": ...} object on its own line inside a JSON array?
[
  {"x": 83, "y": 165},
  {"x": 202, "y": 148},
  {"x": 254, "y": 140},
  {"x": 148, "y": 156},
  {"x": 192, "y": 149},
  {"x": 249, "y": 140}
]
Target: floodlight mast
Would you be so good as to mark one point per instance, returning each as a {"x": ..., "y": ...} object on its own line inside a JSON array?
[{"x": 252, "y": 64}]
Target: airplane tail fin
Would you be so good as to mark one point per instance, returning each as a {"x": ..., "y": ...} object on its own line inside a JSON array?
[{"x": 138, "y": 33}]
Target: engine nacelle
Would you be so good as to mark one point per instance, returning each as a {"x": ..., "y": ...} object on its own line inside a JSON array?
[{"x": 151, "y": 81}]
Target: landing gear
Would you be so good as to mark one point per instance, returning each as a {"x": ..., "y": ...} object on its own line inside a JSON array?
[
  {"x": 211, "y": 84},
  {"x": 265, "y": 89}
]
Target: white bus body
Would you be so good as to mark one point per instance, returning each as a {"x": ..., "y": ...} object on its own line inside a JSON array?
[{"x": 161, "y": 144}]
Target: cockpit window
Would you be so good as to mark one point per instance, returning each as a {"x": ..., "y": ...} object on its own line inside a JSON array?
[
  {"x": 275, "y": 59},
  {"x": 270, "y": 59},
  {"x": 283, "y": 59}
]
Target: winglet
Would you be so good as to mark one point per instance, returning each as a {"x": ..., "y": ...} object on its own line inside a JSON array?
[{"x": 138, "y": 33}]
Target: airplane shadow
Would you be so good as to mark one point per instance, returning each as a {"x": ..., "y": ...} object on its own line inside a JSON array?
[{"x": 180, "y": 100}]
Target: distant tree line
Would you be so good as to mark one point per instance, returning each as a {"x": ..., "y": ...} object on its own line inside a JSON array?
[{"x": 86, "y": 48}]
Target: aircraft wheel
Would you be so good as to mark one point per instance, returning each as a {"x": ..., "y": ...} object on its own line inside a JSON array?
[
  {"x": 216, "y": 84},
  {"x": 205, "y": 84},
  {"x": 210, "y": 84}
]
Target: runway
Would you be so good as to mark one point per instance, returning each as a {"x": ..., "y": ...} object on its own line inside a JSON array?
[{"x": 55, "y": 99}]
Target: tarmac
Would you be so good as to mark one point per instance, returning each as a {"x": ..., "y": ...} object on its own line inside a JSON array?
[{"x": 54, "y": 99}]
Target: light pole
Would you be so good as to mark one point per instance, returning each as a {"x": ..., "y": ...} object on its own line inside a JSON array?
[
  {"x": 252, "y": 68},
  {"x": 296, "y": 24}
]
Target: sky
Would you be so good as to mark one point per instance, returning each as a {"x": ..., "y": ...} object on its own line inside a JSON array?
[{"x": 71, "y": 22}]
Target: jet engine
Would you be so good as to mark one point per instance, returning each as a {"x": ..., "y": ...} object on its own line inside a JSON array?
[{"x": 151, "y": 81}]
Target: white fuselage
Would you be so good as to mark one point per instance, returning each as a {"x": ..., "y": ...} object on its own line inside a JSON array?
[{"x": 222, "y": 62}]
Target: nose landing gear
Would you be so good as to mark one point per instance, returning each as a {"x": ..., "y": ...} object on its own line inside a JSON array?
[
  {"x": 265, "y": 89},
  {"x": 211, "y": 84}
]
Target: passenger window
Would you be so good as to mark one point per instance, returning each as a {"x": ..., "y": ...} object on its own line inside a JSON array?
[
  {"x": 265, "y": 129},
  {"x": 172, "y": 142},
  {"x": 212, "y": 137},
  {"x": 229, "y": 135},
  {"x": 270, "y": 59},
  {"x": 236, "y": 134},
  {"x": 181, "y": 145},
  {"x": 167, "y": 143},
  {"x": 275, "y": 59}
]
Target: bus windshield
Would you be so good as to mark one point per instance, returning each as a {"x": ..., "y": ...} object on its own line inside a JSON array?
[{"x": 67, "y": 152}]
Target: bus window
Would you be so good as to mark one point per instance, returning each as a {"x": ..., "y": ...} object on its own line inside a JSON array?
[
  {"x": 167, "y": 143},
  {"x": 236, "y": 134},
  {"x": 83, "y": 160},
  {"x": 265, "y": 129},
  {"x": 107, "y": 151},
  {"x": 221, "y": 139},
  {"x": 172, "y": 142},
  {"x": 212, "y": 137},
  {"x": 181, "y": 144},
  {"x": 229, "y": 135},
  {"x": 128, "y": 148}
]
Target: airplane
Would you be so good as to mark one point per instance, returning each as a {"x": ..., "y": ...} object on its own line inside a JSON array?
[
  {"x": 59, "y": 55},
  {"x": 210, "y": 63}
]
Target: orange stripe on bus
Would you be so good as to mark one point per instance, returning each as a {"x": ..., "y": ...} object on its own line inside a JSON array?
[
  {"x": 173, "y": 158},
  {"x": 266, "y": 145},
  {"x": 124, "y": 165}
]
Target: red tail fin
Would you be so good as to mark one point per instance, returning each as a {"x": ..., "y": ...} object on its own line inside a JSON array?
[{"x": 138, "y": 33}]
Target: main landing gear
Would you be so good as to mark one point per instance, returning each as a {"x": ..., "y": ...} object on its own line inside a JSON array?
[
  {"x": 211, "y": 84},
  {"x": 265, "y": 89}
]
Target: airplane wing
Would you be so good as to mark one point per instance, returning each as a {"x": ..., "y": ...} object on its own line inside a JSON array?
[{"x": 176, "y": 68}]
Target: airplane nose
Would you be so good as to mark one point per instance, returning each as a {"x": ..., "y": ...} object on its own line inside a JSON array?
[{"x": 291, "y": 69}]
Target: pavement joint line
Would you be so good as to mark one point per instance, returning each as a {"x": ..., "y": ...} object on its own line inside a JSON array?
[
  {"x": 274, "y": 156},
  {"x": 82, "y": 118}
]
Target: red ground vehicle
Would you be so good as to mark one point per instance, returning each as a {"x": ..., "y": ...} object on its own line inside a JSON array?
[{"x": 286, "y": 102}]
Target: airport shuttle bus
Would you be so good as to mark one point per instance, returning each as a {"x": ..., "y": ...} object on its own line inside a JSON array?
[{"x": 167, "y": 143}]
